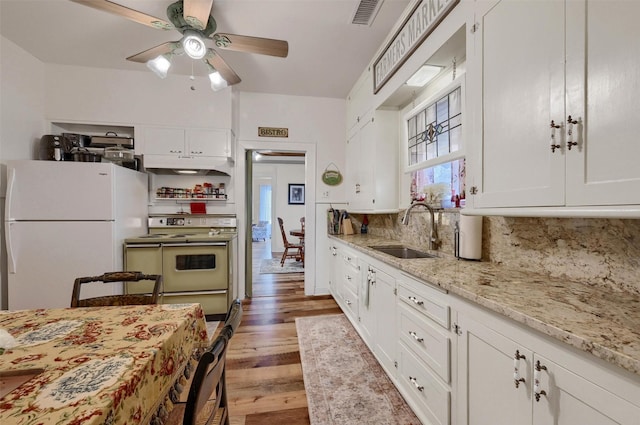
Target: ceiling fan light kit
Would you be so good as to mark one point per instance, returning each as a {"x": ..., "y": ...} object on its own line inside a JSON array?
[
  {"x": 217, "y": 82},
  {"x": 160, "y": 65},
  {"x": 193, "y": 45}
]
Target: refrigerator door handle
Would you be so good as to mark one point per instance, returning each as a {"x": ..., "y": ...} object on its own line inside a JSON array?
[
  {"x": 9, "y": 197},
  {"x": 11, "y": 261}
]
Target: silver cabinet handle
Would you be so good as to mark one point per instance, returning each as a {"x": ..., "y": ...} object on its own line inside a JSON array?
[
  {"x": 554, "y": 145},
  {"x": 536, "y": 381},
  {"x": 516, "y": 368},
  {"x": 570, "y": 123},
  {"x": 416, "y": 301},
  {"x": 348, "y": 302},
  {"x": 414, "y": 381},
  {"x": 415, "y": 336}
]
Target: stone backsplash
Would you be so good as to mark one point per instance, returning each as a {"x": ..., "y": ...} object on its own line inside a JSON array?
[{"x": 602, "y": 252}]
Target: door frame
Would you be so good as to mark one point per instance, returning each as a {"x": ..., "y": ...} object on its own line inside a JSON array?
[{"x": 244, "y": 215}]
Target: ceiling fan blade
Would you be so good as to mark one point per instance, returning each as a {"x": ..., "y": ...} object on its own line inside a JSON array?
[
  {"x": 245, "y": 43},
  {"x": 125, "y": 12},
  {"x": 154, "y": 52},
  {"x": 196, "y": 12},
  {"x": 225, "y": 70}
]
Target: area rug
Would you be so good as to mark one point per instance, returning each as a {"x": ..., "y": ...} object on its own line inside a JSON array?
[
  {"x": 344, "y": 383},
  {"x": 272, "y": 265}
]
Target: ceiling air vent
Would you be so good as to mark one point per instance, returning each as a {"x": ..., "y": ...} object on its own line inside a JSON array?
[{"x": 366, "y": 12}]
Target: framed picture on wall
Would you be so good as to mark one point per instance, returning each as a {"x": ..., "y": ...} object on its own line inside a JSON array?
[{"x": 296, "y": 194}]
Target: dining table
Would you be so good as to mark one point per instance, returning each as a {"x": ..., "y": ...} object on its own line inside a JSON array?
[{"x": 98, "y": 365}]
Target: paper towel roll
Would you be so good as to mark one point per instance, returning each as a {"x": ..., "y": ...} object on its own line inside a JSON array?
[{"x": 471, "y": 237}]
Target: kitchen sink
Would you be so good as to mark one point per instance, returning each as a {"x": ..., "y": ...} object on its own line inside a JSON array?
[{"x": 400, "y": 251}]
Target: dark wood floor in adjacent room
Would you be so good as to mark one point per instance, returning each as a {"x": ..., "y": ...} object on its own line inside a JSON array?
[{"x": 264, "y": 373}]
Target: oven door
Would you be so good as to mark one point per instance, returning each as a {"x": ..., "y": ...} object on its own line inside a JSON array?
[{"x": 195, "y": 267}]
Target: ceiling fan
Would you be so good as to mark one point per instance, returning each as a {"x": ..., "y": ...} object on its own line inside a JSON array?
[{"x": 192, "y": 18}]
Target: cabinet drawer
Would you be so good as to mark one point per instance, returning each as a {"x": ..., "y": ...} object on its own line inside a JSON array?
[
  {"x": 432, "y": 399},
  {"x": 424, "y": 300},
  {"x": 351, "y": 280},
  {"x": 350, "y": 302},
  {"x": 351, "y": 261},
  {"x": 431, "y": 346}
]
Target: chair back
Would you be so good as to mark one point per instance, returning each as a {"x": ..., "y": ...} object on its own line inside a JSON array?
[
  {"x": 145, "y": 297},
  {"x": 208, "y": 394},
  {"x": 284, "y": 234},
  {"x": 302, "y": 223}
]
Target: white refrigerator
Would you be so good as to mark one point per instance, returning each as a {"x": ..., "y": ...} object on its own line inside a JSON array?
[{"x": 65, "y": 220}]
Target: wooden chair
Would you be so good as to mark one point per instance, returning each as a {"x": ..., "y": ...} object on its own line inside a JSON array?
[
  {"x": 297, "y": 249},
  {"x": 207, "y": 399},
  {"x": 126, "y": 299},
  {"x": 302, "y": 227}
]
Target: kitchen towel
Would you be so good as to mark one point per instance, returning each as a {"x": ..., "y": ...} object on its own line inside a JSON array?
[{"x": 471, "y": 237}]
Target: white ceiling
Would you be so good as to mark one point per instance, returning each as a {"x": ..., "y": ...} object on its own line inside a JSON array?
[{"x": 326, "y": 52}]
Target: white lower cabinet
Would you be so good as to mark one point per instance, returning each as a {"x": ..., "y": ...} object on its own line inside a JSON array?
[
  {"x": 506, "y": 377},
  {"x": 347, "y": 280},
  {"x": 456, "y": 363},
  {"x": 378, "y": 315}
]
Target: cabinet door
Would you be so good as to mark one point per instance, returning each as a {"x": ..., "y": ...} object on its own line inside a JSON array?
[
  {"x": 603, "y": 97},
  {"x": 486, "y": 384},
  {"x": 518, "y": 85},
  {"x": 367, "y": 314},
  {"x": 569, "y": 399},
  {"x": 384, "y": 310},
  {"x": 164, "y": 141},
  {"x": 361, "y": 151},
  {"x": 208, "y": 142}
]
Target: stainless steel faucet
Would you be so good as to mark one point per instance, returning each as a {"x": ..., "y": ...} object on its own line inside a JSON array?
[{"x": 434, "y": 241}]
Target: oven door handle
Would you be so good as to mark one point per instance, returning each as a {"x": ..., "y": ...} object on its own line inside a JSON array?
[
  {"x": 143, "y": 245},
  {"x": 195, "y": 244}
]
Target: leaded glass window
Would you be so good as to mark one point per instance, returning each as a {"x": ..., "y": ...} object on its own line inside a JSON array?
[{"x": 436, "y": 130}]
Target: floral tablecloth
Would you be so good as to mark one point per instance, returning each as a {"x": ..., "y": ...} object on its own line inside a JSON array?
[{"x": 102, "y": 365}]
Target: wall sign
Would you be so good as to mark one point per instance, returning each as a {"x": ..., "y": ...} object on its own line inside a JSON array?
[
  {"x": 273, "y": 132},
  {"x": 424, "y": 18}
]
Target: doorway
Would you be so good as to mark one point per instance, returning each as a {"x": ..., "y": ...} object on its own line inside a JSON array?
[
  {"x": 273, "y": 173},
  {"x": 306, "y": 153}
]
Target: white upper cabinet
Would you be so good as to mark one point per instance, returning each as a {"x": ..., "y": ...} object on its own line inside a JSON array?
[
  {"x": 554, "y": 88},
  {"x": 360, "y": 99},
  {"x": 372, "y": 163},
  {"x": 188, "y": 142}
]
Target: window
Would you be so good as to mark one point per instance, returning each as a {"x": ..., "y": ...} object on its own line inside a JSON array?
[
  {"x": 449, "y": 177},
  {"x": 435, "y": 148},
  {"x": 436, "y": 129}
]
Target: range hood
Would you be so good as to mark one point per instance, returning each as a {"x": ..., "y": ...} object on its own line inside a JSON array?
[{"x": 166, "y": 164}]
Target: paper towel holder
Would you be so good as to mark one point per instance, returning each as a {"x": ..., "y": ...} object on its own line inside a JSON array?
[{"x": 467, "y": 243}]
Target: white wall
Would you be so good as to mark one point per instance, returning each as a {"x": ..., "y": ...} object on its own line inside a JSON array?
[
  {"x": 21, "y": 122},
  {"x": 309, "y": 119},
  {"x": 133, "y": 97}
]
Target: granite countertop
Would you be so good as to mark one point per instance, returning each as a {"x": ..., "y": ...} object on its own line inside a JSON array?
[{"x": 600, "y": 321}]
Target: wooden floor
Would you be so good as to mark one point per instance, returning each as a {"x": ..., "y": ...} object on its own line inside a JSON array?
[{"x": 264, "y": 374}]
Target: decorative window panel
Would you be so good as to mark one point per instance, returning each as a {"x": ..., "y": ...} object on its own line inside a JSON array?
[{"x": 436, "y": 130}]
